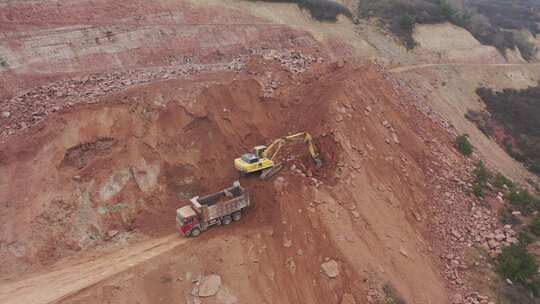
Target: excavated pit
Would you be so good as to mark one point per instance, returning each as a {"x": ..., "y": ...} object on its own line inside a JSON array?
[{"x": 124, "y": 164}]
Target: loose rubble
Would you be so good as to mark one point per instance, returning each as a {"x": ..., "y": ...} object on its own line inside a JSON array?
[
  {"x": 209, "y": 285},
  {"x": 330, "y": 268},
  {"x": 32, "y": 106}
]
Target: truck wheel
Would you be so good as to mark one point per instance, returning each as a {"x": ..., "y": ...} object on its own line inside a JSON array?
[
  {"x": 195, "y": 232},
  {"x": 226, "y": 220},
  {"x": 237, "y": 215}
]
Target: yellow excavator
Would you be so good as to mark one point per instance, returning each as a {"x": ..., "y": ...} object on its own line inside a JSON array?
[{"x": 263, "y": 158}]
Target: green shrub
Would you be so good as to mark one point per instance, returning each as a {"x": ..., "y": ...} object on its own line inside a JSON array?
[
  {"x": 507, "y": 218},
  {"x": 501, "y": 180},
  {"x": 478, "y": 190},
  {"x": 517, "y": 264},
  {"x": 391, "y": 296},
  {"x": 534, "y": 287},
  {"x": 525, "y": 239},
  {"x": 463, "y": 145},
  {"x": 534, "y": 226},
  {"x": 406, "y": 22},
  {"x": 523, "y": 200},
  {"x": 3, "y": 63},
  {"x": 481, "y": 173},
  {"x": 534, "y": 184},
  {"x": 447, "y": 11}
]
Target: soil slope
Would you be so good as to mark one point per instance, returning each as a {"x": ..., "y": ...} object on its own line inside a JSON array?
[{"x": 126, "y": 163}]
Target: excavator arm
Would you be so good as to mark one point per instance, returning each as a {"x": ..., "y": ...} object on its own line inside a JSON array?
[{"x": 273, "y": 149}]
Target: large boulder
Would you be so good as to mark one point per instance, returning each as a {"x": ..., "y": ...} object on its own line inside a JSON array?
[
  {"x": 209, "y": 285},
  {"x": 330, "y": 268}
]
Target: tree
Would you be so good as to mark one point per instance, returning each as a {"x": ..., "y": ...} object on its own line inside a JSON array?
[{"x": 517, "y": 264}]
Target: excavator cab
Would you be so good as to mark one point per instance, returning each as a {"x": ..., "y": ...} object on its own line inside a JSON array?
[
  {"x": 250, "y": 158},
  {"x": 259, "y": 150}
]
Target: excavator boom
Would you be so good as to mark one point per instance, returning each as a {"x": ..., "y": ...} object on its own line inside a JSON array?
[{"x": 273, "y": 149}]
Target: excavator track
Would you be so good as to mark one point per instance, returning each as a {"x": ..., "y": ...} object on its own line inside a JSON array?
[{"x": 268, "y": 173}]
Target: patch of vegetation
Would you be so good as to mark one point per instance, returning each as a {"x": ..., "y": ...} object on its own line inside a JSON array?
[
  {"x": 518, "y": 111},
  {"x": 523, "y": 200},
  {"x": 322, "y": 10},
  {"x": 500, "y": 181},
  {"x": 534, "y": 226},
  {"x": 4, "y": 63},
  {"x": 481, "y": 173},
  {"x": 507, "y": 218},
  {"x": 534, "y": 184},
  {"x": 525, "y": 239},
  {"x": 478, "y": 190},
  {"x": 517, "y": 264},
  {"x": 493, "y": 22},
  {"x": 464, "y": 145},
  {"x": 481, "y": 178},
  {"x": 391, "y": 296}
]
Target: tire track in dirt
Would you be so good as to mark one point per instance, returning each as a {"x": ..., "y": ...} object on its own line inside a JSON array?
[{"x": 56, "y": 285}]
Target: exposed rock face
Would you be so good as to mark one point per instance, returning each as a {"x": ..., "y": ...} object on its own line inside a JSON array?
[{"x": 209, "y": 285}]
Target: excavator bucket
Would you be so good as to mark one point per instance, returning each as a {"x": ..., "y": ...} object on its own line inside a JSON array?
[{"x": 268, "y": 173}]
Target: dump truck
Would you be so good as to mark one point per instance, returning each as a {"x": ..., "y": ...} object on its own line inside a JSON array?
[{"x": 220, "y": 208}]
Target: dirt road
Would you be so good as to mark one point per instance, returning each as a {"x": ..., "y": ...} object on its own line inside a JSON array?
[
  {"x": 407, "y": 68},
  {"x": 56, "y": 285}
]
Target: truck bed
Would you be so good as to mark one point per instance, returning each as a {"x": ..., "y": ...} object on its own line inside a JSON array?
[{"x": 222, "y": 203}]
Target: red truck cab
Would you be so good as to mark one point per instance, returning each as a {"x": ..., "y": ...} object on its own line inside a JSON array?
[{"x": 188, "y": 221}]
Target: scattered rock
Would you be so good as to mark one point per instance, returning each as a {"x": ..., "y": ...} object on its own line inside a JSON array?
[
  {"x": 112, "y": 233},
  {"x": 403, "y": 252},
  {"x": 286, "y": 242},
  {"x": 395, "y": 138},
  {"x": 330, "y": 268},
  {"x": 500, "y": 237},
  {"x": 493, "y": 244},
  {"x": 209, "y": 285}
]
